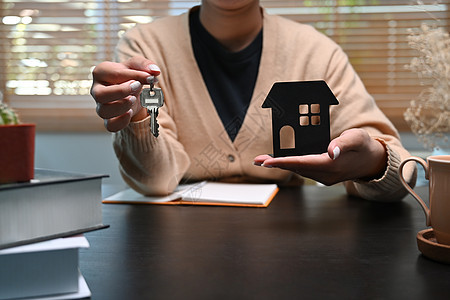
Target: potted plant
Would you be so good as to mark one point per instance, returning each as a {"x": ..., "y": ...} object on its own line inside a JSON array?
[{"x": 16, "y": 147}]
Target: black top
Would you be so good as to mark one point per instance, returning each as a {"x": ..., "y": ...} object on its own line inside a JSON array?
[{"x": 229, "y": 76}]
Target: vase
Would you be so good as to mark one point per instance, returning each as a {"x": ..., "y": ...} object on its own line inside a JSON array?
[{"x": 17, "y": 144}]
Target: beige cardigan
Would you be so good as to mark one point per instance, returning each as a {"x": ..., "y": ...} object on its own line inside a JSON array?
[{"x": 193, "y": 142}]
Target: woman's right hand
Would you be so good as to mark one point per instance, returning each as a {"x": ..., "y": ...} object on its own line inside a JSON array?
[{"x": 116, "y": 88}]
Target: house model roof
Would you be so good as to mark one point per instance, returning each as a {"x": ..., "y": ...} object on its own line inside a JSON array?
[{"x": 302, "y": 91}]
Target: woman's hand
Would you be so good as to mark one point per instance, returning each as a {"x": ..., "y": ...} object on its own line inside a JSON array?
[
  {"x": 353, "y": 155},
  {"x": 116, "y": 87}
]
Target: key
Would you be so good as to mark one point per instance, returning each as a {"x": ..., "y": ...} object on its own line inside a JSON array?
[{"x": 152, "y": 98}]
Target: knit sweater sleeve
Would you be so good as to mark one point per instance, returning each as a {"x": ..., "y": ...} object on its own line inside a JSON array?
[
  {"x": 388, "y": 187},
  {"x": 150, "y": 165},
  {"x": 358, "y": 110}
]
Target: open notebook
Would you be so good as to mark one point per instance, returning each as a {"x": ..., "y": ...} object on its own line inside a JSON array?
[{"x": 205, "y": 193}]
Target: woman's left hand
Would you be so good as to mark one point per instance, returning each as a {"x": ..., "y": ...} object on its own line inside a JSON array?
[{"x": 352, "y": 155}]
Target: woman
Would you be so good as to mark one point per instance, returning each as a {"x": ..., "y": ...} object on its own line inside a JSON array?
[{"x": 215, "y": 65}]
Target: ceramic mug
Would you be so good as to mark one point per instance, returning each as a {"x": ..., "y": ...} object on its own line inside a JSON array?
[{"x": 437, "y": 172}]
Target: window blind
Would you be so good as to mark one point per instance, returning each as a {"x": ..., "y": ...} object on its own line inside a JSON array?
[{"x": 49, "y": 48}]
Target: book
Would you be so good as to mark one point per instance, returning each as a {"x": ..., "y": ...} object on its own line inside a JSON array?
[
  {"x": 45, "y": 270},
  {"x": 205, "y": 193},
  {"x": 54, "y": 204}
]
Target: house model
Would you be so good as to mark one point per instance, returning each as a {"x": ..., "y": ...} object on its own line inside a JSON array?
[{"x": 300, "y": 117}]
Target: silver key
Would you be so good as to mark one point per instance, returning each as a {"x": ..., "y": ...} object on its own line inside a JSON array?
[{"x": 152, "y": 98}]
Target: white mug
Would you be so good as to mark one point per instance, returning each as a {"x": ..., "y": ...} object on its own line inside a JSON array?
[{"x": 437, "y": 171}]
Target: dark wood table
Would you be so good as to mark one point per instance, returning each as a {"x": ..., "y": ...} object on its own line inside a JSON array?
[{"x": 310, "y": 243}]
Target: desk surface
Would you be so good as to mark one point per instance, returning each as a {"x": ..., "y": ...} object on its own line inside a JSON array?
[{"x": 310, "y": 243}]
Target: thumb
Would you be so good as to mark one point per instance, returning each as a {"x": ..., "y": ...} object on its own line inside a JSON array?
[
  {"x": 338, "y": 145},
  {"x": 354, "y": 139},
  {"x": 334, "y": 152}
]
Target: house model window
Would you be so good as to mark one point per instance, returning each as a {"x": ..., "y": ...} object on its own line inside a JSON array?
[
  {"x": 309, "y": 114},
  {"x": 300, "y": 111}
]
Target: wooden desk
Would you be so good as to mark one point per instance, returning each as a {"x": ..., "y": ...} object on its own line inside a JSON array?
[{"x": 310, "y": 243}]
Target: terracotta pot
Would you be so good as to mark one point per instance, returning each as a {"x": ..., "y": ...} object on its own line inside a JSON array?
[{"x": 17, "y": 152}]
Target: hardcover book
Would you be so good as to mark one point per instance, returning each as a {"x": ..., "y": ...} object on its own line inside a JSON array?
[
  {"x": 45, "y": 270},
  {"x": 54, "y": 204}
]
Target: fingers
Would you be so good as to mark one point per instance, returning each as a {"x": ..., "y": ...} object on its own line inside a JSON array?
[
  {"x": 116, "y": 108},
  {"x": 318, "y": 167},
  {"x": 116, "y": 87},
  {"x": 352, "y": 155},
  {"x": 137, "y": 68},
  {"x": 343, "y": 143},
  {"x": 113, "y": 81},
  {"x": 115, "y": 104},
  {"x": 118, "y": 123},
  {"x": 143, "y": 64},
  {"x": 297, "y": 163},
  {"x": 110, "y": 93},
  {"x": 259, "y": 160},
  {"x": 109, "y": 73}
]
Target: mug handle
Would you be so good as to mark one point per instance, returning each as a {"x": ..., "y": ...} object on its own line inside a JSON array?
[{"x": 410, "y": 190}]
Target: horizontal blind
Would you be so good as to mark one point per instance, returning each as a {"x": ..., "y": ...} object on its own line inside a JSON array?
[
  {"x": 374, "y": 34},
  {"x": 49, "y": 48}
]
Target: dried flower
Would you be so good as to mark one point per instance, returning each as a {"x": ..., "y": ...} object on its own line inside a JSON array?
[{"x": 429, "y": 115}]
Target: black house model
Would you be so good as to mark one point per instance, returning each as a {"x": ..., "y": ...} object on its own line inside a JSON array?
[{"x": 300, "y": 117}]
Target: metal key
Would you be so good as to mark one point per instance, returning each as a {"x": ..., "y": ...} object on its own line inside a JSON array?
[{"x": 152, "y": 98}]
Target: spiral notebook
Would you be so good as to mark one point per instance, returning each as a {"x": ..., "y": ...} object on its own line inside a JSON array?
[{"x": 204, "y": 193}]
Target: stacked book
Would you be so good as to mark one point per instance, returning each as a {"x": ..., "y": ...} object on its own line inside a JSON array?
[{"x": 41, "y": 226}]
